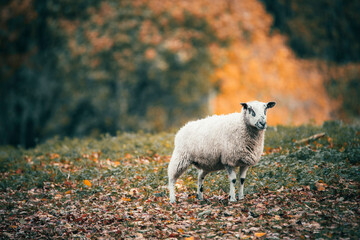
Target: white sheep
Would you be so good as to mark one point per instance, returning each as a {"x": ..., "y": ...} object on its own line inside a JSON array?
[{"x": 220, "y": 142}]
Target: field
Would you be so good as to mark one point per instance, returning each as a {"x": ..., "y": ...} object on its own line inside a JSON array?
[{"x": 115, "y": 187}]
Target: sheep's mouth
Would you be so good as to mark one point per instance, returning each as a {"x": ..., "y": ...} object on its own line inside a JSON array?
[{"x": 260, "y": 125}]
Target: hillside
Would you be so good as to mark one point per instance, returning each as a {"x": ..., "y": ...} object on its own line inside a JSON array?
[{"x": 116, "y": 187}]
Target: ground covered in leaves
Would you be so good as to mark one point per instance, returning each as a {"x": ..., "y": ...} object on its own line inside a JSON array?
[{"x": 115, "y": 187}]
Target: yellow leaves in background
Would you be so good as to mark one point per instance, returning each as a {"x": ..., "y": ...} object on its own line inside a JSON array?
[
  {"x": 265, "y": 68},
  {"x": 87, "y": 183}
]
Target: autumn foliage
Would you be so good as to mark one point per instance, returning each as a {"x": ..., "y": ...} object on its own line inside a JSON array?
[{"x": 90, "y": 67}]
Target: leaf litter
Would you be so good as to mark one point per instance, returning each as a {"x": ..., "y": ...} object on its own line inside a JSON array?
[{"x": 115, "y": 187}]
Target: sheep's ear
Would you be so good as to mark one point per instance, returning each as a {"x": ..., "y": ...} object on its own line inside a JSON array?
[
  {"x": 270, "y": 104},
  {"x": 245, "y": 106}
]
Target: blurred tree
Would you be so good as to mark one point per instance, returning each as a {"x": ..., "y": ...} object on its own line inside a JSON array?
[
  {"x": 75, "y": 68},
  {"x": 30, "y": 77},
  {"x": 325, "y": 29},
  {"x": 141, "y": 69}
]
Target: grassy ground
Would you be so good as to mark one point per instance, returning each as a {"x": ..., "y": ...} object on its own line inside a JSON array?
[{"x": 116, "y": 187}]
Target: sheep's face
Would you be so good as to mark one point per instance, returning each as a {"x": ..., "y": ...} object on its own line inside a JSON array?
[{"x": 255, "y": 113}]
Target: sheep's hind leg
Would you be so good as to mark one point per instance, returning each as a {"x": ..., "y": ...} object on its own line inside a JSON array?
[
  {"x": 242, "y": 176},
  {"x": 232, "y": 179},
  {"x": 200, "y": 186},
  {"x": 176, "y": 168}
]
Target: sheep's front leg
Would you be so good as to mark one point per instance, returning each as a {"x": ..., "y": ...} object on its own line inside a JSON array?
[
  {"x": 200, "y": 186},
  {"x": 232, "y": 179},
  {"x": 242, "y": 176}
]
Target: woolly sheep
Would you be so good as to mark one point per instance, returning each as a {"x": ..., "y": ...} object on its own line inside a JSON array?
[{"x": 220, "y": 142}]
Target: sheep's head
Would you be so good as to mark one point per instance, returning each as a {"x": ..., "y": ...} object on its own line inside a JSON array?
[{"x": 255, "y": 113}]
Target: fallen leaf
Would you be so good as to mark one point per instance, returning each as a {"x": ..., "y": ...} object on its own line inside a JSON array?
[
  {"x": 314, "y": 224},
  {"x": 8, "y": 234},
  {"x": 204, "y": 213},
  {"x": 190, "y": 238},
  {"x": 87, "y": 183},
  {"x": 276, "y": 227},
  {"x": 259, "y": 234},
  {"x": 58, "y": 196},
  {"x": 252, "y": 229},
  {"x": 227, "y": 213},
  {"x": 54, "y": 155},
  {"x": 134, "y": 191},
  {"x": 340, "y": 199},
  {"x": 139, "y": 236},
  {"x": 128, "y": 155},
  {"x": 243, "y": 236},
  {"x": 320, "y": 186}
]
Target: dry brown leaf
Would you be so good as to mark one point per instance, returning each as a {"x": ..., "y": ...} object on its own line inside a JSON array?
[{"x": 320, "y": 186}]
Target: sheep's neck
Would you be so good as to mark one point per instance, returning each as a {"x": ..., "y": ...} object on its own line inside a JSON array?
[
  {"x": 253, "y": 132},
  {"x": 255, "y": 139}
]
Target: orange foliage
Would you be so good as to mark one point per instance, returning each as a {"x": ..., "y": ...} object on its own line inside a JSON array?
[
  {"x": 269, "y": 71},
  {"x": 257, "y": 65},
  {"x": 264, "y": 68},
  {"x": 15, "y": 8},
  {"x": 68, "y": 26}
]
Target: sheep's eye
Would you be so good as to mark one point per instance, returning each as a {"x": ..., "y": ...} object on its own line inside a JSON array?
[{"x": 252, "y": 112}]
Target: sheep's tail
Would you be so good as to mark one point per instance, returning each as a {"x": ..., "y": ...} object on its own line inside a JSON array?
[{"x": 178, "y": 164}]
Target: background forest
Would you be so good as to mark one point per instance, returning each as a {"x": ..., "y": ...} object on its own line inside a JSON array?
[{"x": 78, "y": 68}]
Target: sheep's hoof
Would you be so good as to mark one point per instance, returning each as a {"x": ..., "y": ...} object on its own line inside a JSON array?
[
  {"x": 241, "y": 197},
  {"x": 232, "y": 199}
]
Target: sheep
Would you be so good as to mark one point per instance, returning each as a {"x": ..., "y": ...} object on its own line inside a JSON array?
[{"x": 220, "y": 142}]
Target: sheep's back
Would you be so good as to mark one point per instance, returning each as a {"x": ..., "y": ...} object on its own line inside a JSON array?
[{"x": 202, "y": 140}]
